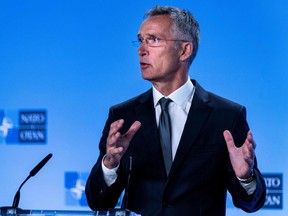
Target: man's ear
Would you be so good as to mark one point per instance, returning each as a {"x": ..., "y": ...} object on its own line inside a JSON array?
[{"x": 186, "y": 51}]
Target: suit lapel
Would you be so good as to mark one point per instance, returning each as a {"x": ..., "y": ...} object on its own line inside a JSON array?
[
  {"x": 197, "y": 116},
  {"x": 146, "y": 114}
]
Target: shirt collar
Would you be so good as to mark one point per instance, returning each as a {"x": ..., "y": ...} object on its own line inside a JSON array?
[{"x": 180, "y": 96}]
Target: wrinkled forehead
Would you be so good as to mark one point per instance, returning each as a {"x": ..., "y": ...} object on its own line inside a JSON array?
[{"x": 157, "y": 25}]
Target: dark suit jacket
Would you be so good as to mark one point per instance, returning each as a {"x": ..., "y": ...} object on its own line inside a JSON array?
[{"x": 201, "y": 172}]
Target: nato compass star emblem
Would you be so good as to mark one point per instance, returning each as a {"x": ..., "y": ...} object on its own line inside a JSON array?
[{"x": 5, "y": 126}]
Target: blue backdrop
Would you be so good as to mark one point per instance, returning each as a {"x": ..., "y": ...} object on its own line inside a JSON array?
[{"x": 64, "y": 63}]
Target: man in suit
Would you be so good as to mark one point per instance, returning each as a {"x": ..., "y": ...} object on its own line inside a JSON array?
[{"x": 212, "y": 149}]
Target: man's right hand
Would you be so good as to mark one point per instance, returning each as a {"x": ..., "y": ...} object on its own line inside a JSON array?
[{"x": 117, "y": 143}]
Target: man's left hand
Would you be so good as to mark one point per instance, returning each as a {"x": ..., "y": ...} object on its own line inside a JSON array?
[{"x": 242, "y": 158}]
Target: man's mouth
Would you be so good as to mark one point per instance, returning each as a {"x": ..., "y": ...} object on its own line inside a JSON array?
[{"x": 144, "y": 65}]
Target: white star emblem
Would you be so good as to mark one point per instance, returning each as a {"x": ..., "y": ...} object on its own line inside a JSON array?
[
  {"x": 5, "y": 126},
  {"x": 78, "y": 190}
]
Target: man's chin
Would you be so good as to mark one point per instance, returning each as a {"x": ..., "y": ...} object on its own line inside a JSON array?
[{"x": 146, "y": 76}]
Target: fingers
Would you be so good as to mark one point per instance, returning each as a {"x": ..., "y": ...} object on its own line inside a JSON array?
[
  {"x": 250, "y": 139},
  {"x": 113, "y": 152},
  {"x": 249, "y": 148},
  {"x": 248, "y": 152},
  {"x": 115, "y": 136},
  {"x": 117, "y": 144},
  {"x": 229, "y": 140},
  {"x": 242, "y": 158},
  {"x": 114, "y": 133},
  {"x": 132, "y": 130}
]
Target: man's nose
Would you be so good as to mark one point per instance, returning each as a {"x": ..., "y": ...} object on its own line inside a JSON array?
[{"x": 143, "y": 49}]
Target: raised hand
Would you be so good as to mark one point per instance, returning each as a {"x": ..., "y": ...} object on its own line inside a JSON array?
[
  {"x": 117, "y": 143},
  {"x": 242, "y": 158}
]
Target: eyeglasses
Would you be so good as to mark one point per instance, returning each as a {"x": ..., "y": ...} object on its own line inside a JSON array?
[{"x": 153, "y": 41}]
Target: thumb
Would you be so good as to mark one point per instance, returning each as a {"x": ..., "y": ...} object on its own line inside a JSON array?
[{"x": 229, "y": 140}]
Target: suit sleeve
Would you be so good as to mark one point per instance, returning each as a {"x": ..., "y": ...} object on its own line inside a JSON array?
[
  {"x": 253, "y": 202},
  {"x": 99, "y": 195}
]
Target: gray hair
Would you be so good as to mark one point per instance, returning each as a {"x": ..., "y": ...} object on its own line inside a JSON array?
[{"x": 186, "y": 25}]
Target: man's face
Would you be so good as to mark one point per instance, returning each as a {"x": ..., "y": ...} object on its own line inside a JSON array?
[{"x": 161, "y": 63}]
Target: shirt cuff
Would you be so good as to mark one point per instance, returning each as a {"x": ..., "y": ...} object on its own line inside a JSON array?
[
  {"x": 249, "y": 187},
  {"x": 110, "y": 175}
]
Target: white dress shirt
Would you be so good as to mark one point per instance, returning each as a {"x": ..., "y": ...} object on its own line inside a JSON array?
[{"x": 178, "y": 110}]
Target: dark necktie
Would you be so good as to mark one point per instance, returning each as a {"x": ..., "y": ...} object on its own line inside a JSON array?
[{"x": 165, "y": 133}]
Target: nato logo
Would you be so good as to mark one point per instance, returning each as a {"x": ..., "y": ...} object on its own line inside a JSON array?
[
  {"x": 75, "y": 189},
  {"x": 274, "y": 193},
  {"x": 23, "y": 126}
]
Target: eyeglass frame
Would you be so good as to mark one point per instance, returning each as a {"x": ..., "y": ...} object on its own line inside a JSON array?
[{"x": 151, "y": 38}]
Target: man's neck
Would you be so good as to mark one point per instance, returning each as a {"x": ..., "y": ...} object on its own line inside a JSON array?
[{"x": 166, "y": 88}]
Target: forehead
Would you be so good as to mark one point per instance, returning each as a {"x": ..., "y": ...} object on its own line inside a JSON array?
[{"x": 160, "y": 24}]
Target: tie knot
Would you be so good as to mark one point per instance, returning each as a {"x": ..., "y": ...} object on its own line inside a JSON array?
[{"x": 164, "y": 102}]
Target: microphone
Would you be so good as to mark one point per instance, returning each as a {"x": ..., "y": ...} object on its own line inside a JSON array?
[
  {"x": 123, "y": 210},
  {"x": 126, "y": 194},
  {"x": 33, "y": 172},
  {"x": 14, "y": 209}
]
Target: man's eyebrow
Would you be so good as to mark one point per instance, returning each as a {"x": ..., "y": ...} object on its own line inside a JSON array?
[{"x": 149, "y": 35}]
